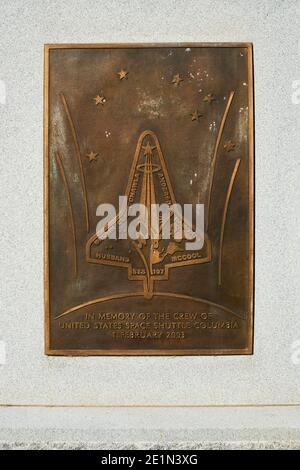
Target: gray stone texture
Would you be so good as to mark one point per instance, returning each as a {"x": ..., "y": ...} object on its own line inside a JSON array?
[{"x": 272, "y": 374}]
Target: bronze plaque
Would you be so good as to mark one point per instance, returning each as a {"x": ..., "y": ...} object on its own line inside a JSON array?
[{"x": 168, "y": 124}]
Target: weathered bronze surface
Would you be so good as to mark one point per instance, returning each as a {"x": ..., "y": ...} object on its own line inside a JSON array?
[{"x": 120, "y": 119}]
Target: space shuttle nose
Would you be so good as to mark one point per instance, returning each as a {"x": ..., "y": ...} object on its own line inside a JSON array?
[{"x": 149, "y": 181}]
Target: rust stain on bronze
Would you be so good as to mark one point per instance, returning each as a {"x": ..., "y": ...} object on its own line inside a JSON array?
[{"x": 178, "y": 130}]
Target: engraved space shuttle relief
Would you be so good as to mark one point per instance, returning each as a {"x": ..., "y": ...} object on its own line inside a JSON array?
[{"x": 149, "y": 258}]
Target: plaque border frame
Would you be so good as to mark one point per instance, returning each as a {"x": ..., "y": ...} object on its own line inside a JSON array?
[{"x": 150, "y": 352}]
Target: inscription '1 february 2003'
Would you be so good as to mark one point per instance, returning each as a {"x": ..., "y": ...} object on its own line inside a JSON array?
[{"x": 164, "y": 124}]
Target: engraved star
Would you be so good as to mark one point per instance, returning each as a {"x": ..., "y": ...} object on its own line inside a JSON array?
[
  {"x": 196, "y": 115},
  {"x": 209, "y": 98},
  {"x": 99, "y": 100},
  {"x": 123, "y": 74},
  {"x": 177, "y": 79},
  {"x": 92, "y": 156},
  {"x": 229, "y": 146},
  {"x": 148, "y": 149}
]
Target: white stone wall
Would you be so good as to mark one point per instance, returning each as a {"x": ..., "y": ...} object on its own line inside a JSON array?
[{"x": 272, "y": 374}]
